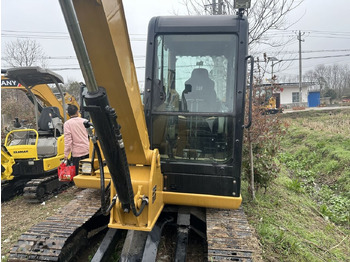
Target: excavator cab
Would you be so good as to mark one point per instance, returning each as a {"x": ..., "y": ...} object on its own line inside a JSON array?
[{"x": 194, "y": 97}]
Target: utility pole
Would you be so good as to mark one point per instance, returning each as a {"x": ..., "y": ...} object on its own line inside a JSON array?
[
  {"x": 273, "y": 59},
  {"x": 220, "y": 7},
  {"x": 300, "y": 68},
  {"x": 214, "y": 7},
  {"x": 217, "y": 7}
]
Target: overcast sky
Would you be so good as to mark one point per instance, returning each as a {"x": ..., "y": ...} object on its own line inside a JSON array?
[{"x": 325, "y": 25}]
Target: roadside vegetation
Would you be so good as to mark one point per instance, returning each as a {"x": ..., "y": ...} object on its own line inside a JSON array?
[{"x": 304, "y": 215}]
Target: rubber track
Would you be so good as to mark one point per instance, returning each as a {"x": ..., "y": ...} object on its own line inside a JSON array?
[
  {"x": 12, "y": 188},
  {"x": 228, "y": 235},
  {"x": 59, "y": 237},
  {"x": 52, "y": 187}
]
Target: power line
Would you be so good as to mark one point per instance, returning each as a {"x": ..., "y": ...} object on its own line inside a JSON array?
[
  {"x": 329, "y": 37},
  {"x": 49, "y": 35},
  {"x": 315, "y": 65},
  {"x": 311, "y": 33},
  {"x": 36, "y": 36},
  {"x": 316, "y": 57},
  {"x": 272, "y": 31},
  {"x": 78, "y": 68},
  {"x": 292, "y": 59},
  {"x": 328, "y": 32},
  {"x": 60, "y": 57},
  {"x": 47, "y": 32},
  {"x": 74, "y": 57},
  {"x": 55, "y": 37},
  {"x": 309, "y": 30},
  {"x": 45, "y": 37},
  {"x": 313, "y": 51}
]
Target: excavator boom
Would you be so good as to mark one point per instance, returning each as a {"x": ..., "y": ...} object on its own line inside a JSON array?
[
  {"x": 43, "y": 92},
  {"x": 107, "y": 43}
]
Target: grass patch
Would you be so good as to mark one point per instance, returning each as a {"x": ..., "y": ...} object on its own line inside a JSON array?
[
  {"x": 291, "y": 227},
  {"x": 319, "y": 163},
  {"x": 295, "y": 185},
  {"x": 305, "y": 213}
]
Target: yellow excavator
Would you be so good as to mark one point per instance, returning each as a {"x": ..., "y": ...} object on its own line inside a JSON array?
[
  {"x": 268, "y": 100},
  {"x": 30, "y": 156},
  {"x": 173, "y": 159},
  {"x": 271, "y": 107}
]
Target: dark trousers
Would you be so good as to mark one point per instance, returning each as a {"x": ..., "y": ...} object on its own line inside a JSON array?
[{"x": 76, "y": 160}]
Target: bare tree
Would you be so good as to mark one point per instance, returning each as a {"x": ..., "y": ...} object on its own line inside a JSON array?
[
  {"x": 318, "y": 76},
  {"x": 263, "y": 16},
  {"x": 24, "y": 52},
  {"x": 14, "y": 103},
  {"x": 334, "y": 77}
]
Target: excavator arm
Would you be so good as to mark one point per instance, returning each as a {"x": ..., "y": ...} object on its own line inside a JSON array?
[
  {"x": 43, "y": 92},
  {"x": 104, "y": 54}
]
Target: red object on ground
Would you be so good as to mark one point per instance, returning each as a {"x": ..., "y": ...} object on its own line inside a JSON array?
[{"x": 66, "y": 173}]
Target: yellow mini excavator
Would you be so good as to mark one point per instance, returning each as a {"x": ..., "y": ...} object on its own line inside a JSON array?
[
  {"x": 173, "y": 160},
  {"x": 271, "y": 106},
  {"x": 30, "y": 156}
]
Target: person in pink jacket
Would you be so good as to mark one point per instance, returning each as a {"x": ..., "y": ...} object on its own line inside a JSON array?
[{"x": 76, "y": 140}]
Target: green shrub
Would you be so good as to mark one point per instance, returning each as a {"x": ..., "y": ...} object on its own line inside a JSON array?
[{"x": 295, "y": 185}]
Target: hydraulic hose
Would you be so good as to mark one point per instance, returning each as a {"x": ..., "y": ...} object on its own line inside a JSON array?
[
  {"x": 125, "y": 166},
  {"x": 104, "y": 209}
]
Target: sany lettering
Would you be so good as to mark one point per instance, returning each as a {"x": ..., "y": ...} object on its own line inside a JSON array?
[{"x": 9, "y": 82}]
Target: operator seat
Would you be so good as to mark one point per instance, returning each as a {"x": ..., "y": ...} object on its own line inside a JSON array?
[
  {"x": 50, "y": 127},
  {"x": 199, "y": 94},
  {"x": 49, "y": 122}
]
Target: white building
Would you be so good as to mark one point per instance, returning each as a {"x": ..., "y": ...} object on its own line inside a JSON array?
[{"x": 287, "y": 94}]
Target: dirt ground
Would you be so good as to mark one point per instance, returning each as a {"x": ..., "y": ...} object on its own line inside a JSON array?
[{"x": 17, "y": 216}]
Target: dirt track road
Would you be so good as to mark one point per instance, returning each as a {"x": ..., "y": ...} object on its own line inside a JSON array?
[{"x": 286, "y": 111}]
